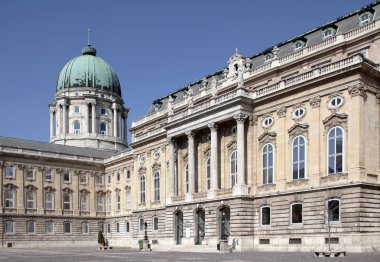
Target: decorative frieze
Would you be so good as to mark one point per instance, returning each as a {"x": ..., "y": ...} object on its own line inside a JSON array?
[
  {"x": 358, "y": 90},
  {"x": 315, "y": 101},
  {"x": 281, "y": 112}
]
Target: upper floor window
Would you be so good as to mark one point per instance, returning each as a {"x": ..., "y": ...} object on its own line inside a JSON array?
[
  {"x": 100, "y": 180},
  {"x": 109, "y": 179},
  {"x": 156, "y": 186},
  {"x": 328, "y": 32},
  {"x": 296, "y": 213},
  {"x": 127, "y": 174},
  {"x": 100, "y": 203},
  {"x": 83, "y": 179},
  {"x": 268, "y": 57},
  {"x": 9, "y": 199},
  {"x": 66, "y": 177},
  {"x": 333, "y": 210},
  {"x": 48, "y": 175},
  {"x": 109, "y": 203},
  {"x": 76, "y": 109},
  {"x": 117, "y": 177},
  {"x": 9, "y": 171},
  {"x": 267, "y": 122},
  {"x": 335, "y": 150},
  {"x": 299, "y": 156},
  {"x": 103, "y": 128},
  {"x": 265, "y": 216},
  {"x": 76, "y": 127},
  {"x": 335, "y": 102},
  {"x": 299, "y": 44},
  {"x": 233, "y": 162},
  {"x": 187, "y": 185},
  {"x": 299, "y": 112},
  {"x": 103, "y": 111},
  {"x": 208, "y": 173},
  {"x": 30, "y": 174},
  {"x": 118, "y": 205},
  {"x": 142, "y": 189},
  {"x": 49, "y": 201},
  {"x": 128, "y": 199},
  {"x": 268, "y": 164},
  {"x": 66, "y": 202},
  {"x": 30, "y": 199},
  {"x": 84, "y": 203},
  {"x": 365, "y": 18}
]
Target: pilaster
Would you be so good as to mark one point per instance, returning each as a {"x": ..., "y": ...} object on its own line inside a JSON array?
[{"x": 241, "y": 187}]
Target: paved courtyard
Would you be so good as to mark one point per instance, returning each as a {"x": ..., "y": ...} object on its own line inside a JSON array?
[{"x": 123, "y": 254}]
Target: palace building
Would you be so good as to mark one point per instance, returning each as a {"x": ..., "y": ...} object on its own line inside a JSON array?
[{"x": 270, "y": 153}]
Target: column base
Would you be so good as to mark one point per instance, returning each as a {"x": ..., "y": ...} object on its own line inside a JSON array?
[
  {"x": 240, "y": 190},
  {"x": 188, "y": 197},
  {"x": 212, "y": 193},
  {"x": 169, "y": 200}
]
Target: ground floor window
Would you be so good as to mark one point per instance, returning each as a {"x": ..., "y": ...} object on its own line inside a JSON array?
[
  {"x": 67, "y": 227},
  {"x": 9, "y": 227},
  {"x": 265, "y": 216},
  {"x": 85, "y": 227},
  {"x": 31, "y": 227},
  {"x": 49, "y": 227}
]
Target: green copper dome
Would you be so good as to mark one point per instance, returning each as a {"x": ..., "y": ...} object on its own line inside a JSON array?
[{"x": 88, "y": 70}]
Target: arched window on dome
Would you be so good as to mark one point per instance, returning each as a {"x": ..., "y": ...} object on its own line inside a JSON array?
[
  {"x": 76, "y": 127},
  {"x": 103, "y": 129}
]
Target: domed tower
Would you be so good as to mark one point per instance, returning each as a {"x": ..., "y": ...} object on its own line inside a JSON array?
[{"x": 88, "y": 110}]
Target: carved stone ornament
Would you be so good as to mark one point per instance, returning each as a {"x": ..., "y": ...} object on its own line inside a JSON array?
[
  {"x": 213, "y": 87},
  {"x": 30, "y": 188},
  {"x": 156, "y": 167},
  {"x": 190, "y": 133},
  {"x": 84, "y": 192},
  {"x": 298, "y": 129},
  {"x": 358, "y": 90},
  {"x": 253, "y": 120},
  {"x": 267, "y": 137},
  {"x": 100, "y": 193},
  {"x": 281, "y": 112},
  {"x": 335, "y": 119},
  {"x": 67, "y": 190},
  {"x": 377, "y": 96},
  {"x": 171, "y": 140},
  {"x": 10, "y": 186},
  {"x": 49, "y": 189},
  {"x": 240, "y": 117},
  {"x": 232, "y": 145},
  {"x": 213, "y": 126},
  {"x": 141, "y": 170},
  {"x": 207, "y": 152},
  {"x": 315, "y": 101}
]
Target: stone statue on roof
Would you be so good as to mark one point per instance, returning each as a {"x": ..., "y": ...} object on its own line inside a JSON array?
[
  {"x": 213, "y": 87},
  {"x": 170, "y": 106},
  {"x": 190, "y": 97}
]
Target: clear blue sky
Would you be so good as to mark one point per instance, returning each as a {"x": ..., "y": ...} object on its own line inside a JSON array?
[{"x": 154, "y": 46}]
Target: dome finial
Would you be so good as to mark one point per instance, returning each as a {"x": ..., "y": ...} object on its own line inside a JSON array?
[
  {"x": 88, "y": 36},
  {"x": 88, "y": 50}
]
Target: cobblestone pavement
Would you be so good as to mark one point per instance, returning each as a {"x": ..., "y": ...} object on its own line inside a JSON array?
[{"x": 122, "y": 254}]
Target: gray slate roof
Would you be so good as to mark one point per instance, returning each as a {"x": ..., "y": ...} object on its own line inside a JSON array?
[
  {"x": 54, "y": 148},
  {"x": 344, "y": 24}
]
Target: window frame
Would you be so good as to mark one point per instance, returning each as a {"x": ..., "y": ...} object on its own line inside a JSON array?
[
  {"x": 141, "y": 224},
  {"x": 142, "y": 197},
  {"x": 32, "y": 200},
  {"x": 187, "y": 176},
  {"x": 109, "y": 203},
  {"x": 233, "y": 164},
  {"x": 68, "y": 176},
  {"x": 261, "y": 216},
  {"x": 333, "y": 32},
  {"x": 291, "y": 213},
  {"x": 208, "y": 173},
  {"x": 103, "y": 131},
  {"x": 6, "y": 226},
  {"x": 100, "y": 202},
  {"x": 156, "y": 185},
  {"x": 28, "y": 172},
  {"x": 52, "y": 227},
  {"x": 368, "y": 20},
  {"x": 67, "y": 202},
  {"x": 155, "y": 222},
  {"x": 10, "y": 200},
  {"x": 83, "y": 181},
  {"x": 339, "y": 210},
  {"x": 85, "y": 227},
  {"x": 7, "y": 170},
  {"x": 28, "y": 223},
  {"x": 127, "y": 229},
  {"x": 47, "y": 173},
  {"x": 118, "y": 200},
  {"x": 50, "y": 201},
  {"x": 267, "y": 167},
  {"x": 298, "y": 158},
  {"x": 76, "y": 129},
  {"x": 84, "y": 204},
  {"x": 64, "y": 227},
  {"x": 335, "y": 155}
]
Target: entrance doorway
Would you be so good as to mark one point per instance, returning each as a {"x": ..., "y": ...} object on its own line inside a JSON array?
[
  {"x": 199, "y": 226},
  {"x": 178, "y": 218},
  {"x": 224, "y": 223}
]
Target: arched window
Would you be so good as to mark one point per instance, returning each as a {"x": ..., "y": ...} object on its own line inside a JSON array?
[
  {"x": 142, "y": 189},
  {"x": 233, "y": 168},
  {"x": 109, "y": 203},
  {"x": 208, "y": 173},
  {"x": 83, "y": 203},
  {"x": 156, "y": 186},
  {"x": 299, "y": 158},
  {"x": 100, "y": 203},
  {"x": 66, "y": 202},
  {"x": 30, "y": 200},
  {"x": 333, "y": 210},
  {"x": 187, "y": 178},
  {"x": 103, "y": 129},
  {"x": 155, "y": 223},
  {"x": 76, "y": 127},
  {"x": 268, "y": 160},
  {"x": 49, "y": 201},
  {"x": 118, "y": 201},
  {"x": 335, "y": 150},
  {"x": 9, "y": 198}
]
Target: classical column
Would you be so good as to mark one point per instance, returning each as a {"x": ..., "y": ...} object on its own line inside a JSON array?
[
  {"x": 125, "y": 127},
  {"x": 114, "y": 120},
  {"x": 87, "y": 119},
  {"x": 20, "y": 180},
  {"x": 64, "y": 125},
  {"x": 93, "y": 109},
  {"x": 119, "y": 124},
  {"x": 1, "y": 186},
  {"x": 51, "y": 123},
  {"x": 58, "y": 121},
  {"x": 214, "y": 155},
  {"x": 240, "y": 143},
  {"x": 171, "y": 175},
  {"x": 191, "y": 161}
]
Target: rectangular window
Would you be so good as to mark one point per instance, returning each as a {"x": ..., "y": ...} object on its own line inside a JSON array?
[
  {"x": 67, "y": 227},
  {"x": 30, "y": 227},
  {"x": 83, "y": 179},
  {"x": 48, "y": 176},
  {"x": 30, "y": 174},
  {"x": 85, "y": 228},
  {"x": 333, "y": 210},
  {"x": 333, "y": 240},
  {"x": 49, "y": 227},
  {"x": 108, "y": 228},
  {"x": 76, "y": 109},
  {"x": 100, "y": 180},
  {"x": 102, "y": 111},
  {"x": 265, "y": 216},
  {"x": 117, "y": 227},
  {"x": 141, "y": 224},
  {"x": 296, "y": 241},
  {"x": 296, "y": 213},
  {"x": 9, "y": 227},
  {"x": 109, "y": 179},
  {"x": 155, "y": 223},
  {"x": 66, "y": 177},
  {"x": 9, "y": 171},
  {"x": 264, "y": 241},
  {"x": 127, "y": 174},
  {"x": 48, "y": 200},
  {"x": 128, "y": 200},
  {"x": 127, "y": 226}
]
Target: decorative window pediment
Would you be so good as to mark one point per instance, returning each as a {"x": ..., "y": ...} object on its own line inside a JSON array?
[
  {"x": 67, "y": 190},
  {"x": 335, "y": 119},
  {"x": 30, "y": 188},
  {"x": 10, "y": 186},
  {"x": 267, "y": 137},
  {"x": 49, "y": 189},
  {"x": 100, "y": 193},
  {"x": 231, "y": 146},
  {"x": 156, "y": 167},
  {"x": 141, "y": 170},
  {"x": 298, "y": 129},
  {"x": 207, "y": 152},
  {"x": 84, "y": 192}
]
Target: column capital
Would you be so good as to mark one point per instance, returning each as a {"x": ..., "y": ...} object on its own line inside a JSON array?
[
  {"x": 190, "y": 133},
  {"x": 240, "y": 117},
  {"x": 213, "y": 126},
  {"x": 171, "y": 140}
]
